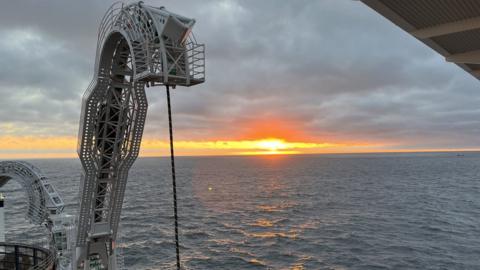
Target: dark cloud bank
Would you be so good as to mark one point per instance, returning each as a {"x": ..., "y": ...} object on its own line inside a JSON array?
[{"x": 336, "y": 69}]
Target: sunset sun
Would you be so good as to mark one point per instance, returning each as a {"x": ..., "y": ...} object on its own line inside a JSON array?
[{"x": 272, "y": 144}]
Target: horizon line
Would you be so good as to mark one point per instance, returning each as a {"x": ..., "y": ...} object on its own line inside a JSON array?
[{"x": 278, "y": 154}]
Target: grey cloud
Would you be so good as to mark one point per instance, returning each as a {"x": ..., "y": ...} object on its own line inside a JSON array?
[{"x": 336, "y": 68}]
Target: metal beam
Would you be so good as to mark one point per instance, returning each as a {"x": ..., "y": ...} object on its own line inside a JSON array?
[
  {"x": 476, "y": 73},
  {"x": 380, "y": 7},
  {"x": 472, "y": 57},
  {"x": 447, "y": 28}
]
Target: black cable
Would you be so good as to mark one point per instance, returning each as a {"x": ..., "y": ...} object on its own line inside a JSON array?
[{"x": 172, "y": 159}]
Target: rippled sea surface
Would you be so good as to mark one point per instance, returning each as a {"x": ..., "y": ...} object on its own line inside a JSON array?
[{"x": 382, "y": 211}]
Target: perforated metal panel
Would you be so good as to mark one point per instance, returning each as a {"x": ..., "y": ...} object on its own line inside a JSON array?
[{"x": 138, "y": 45}]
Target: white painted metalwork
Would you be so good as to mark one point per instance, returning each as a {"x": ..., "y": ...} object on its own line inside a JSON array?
[
  {"x": 45, "y": 207},
  {"x": 138, "y": 46},
  {"x": 43, "y": 199}
]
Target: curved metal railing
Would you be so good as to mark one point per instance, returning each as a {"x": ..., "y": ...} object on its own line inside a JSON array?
[
  {"x": 22, "y": 256},
  {"x": 42, "y": 196}
]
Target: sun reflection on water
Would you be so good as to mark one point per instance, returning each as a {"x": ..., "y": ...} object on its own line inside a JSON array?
[
  {"x": 257, "y": 200},
  {"x": 262, "y": 223}
]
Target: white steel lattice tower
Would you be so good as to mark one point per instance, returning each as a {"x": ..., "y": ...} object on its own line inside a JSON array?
[{"x": 138, "y": 46}]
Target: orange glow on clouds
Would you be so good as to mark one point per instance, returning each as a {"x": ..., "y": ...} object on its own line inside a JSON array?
[{"x": 272, "y": 128}]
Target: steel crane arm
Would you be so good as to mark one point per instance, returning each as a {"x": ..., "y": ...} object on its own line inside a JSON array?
[{"x": 138, "y": 46}]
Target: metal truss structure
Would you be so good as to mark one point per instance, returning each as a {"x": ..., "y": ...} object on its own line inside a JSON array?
[
  {"x": 138, "y": 46},
  {"x": 43, "y": 199},
  {"x": 45, "y": 207}
]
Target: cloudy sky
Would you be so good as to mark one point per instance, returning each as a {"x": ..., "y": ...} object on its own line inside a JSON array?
[{"x": 319, "y": 76}]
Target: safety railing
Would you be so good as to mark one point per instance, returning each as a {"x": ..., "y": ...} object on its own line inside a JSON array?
[
  {"x": 14, "y": 256},
  {"x": 196, "y": 61}
]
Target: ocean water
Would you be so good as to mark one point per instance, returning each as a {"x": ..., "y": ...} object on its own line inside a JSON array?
[{"x": 375, "y": 211}]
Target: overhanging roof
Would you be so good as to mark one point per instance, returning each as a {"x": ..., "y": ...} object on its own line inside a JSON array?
[{"x": 450, "y": 27}]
